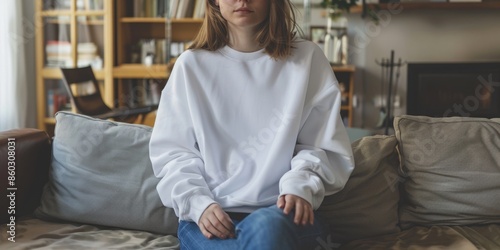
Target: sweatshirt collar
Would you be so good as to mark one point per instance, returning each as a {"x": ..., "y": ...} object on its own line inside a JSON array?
[{"x": 241, "y": 56}]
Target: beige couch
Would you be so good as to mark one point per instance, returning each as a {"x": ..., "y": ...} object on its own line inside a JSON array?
[{"x": 434, "y": 185}]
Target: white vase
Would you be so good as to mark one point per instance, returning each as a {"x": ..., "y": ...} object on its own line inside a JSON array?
[{"x": 336, "y": 41}]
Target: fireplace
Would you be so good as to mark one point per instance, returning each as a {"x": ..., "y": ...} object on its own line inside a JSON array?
[{"x": 454, "y": 89}]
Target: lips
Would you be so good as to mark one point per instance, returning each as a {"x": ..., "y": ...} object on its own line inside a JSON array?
[{"x": 243, "y": 9}]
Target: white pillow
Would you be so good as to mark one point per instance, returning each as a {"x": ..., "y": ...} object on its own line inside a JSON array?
[{"x": 101, "y": 174}]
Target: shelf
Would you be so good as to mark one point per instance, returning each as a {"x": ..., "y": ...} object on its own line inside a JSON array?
[
  {"x": 430, "y": 6},
  {"x": 50, "y": 120},
  {"x": 90, "y": 13},
  {"x": 160, "y": 20},
  {"x": 142, "y": 71},
  {"x": 56, "y": 13},
  {"x": 91, "y": 22},
  {"x": 55, "y": 73},
  {"x": 69, "y": 13},
  {"x": 343, "y": 68}
]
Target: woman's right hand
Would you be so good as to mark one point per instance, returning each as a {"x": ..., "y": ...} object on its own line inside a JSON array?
[{"x": 215, "y": 222}]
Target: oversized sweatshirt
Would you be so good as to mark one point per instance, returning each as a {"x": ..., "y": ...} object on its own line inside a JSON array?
[{"x": 241, "y": 129}]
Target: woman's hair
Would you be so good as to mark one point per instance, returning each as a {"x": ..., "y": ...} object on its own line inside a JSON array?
[{"x": 275, "y": 34}]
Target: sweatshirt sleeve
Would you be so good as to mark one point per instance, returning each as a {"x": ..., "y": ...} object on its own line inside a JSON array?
[
  {"x": 323, "y": 160},
  {"x": 174, "y": 153}
]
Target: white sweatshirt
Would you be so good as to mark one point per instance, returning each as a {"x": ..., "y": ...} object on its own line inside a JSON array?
[{"x": 241, "y": 129}]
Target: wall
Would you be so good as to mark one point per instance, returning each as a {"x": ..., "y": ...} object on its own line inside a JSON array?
[
  {"x": 29, "y": 54},
  {"x": 415, "y": 36}
]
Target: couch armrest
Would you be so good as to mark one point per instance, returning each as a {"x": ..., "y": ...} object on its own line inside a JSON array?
[{"x": 24, "y": 155}]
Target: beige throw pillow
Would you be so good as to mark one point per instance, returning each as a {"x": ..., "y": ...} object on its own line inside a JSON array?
[
  {"x": 452, "y": 167},
  {"x": 368, "y": 204}
]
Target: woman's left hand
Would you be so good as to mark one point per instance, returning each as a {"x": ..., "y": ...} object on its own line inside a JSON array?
[{"x": 303, "y": 210}]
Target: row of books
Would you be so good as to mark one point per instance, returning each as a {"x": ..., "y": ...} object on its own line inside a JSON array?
[
  {"x": 141, "y": 92},
  {"x": 57, "y": 100},
  {"x": 156, "y": 51},
  {"x": 170, "y": 8},
  {"x": 58, "y": 54}
]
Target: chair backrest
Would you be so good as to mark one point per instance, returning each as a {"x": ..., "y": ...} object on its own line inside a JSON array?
[{"x": 84, "y": 91}]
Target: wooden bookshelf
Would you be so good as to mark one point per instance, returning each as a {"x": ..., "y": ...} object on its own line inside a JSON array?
[
  {"x": 345, "y": 77},
  {"x": 132, "y": 29},
  {"x": 62, "y": 26},
  {"x": 114, "y": 30}
]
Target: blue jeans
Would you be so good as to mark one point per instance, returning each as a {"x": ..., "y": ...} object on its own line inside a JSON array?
[{"x": 266, "y": 228}]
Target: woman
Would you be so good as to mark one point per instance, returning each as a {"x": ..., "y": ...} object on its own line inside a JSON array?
[{"x": 248, "y": 138}]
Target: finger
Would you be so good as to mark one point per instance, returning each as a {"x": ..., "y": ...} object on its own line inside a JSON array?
[
  {"x": 205, "y": 232},
  {"x": 214, "y": 231},
  {"x": 289, "y": 205},
  {"x": 305, "y": 214},
  {"x": 281, "y": 202},
  {"x": 299, "y": 210},
  {"x": 226, "y": 222},
  {"x": 217, "y": 228}
]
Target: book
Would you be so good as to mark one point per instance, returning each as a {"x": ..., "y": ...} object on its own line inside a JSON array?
[{"x": 174, "y": 5}]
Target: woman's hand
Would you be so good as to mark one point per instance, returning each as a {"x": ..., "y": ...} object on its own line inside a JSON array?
[
  {"x": 303, "y": 210},
  {"x": 215, "y": 222}
]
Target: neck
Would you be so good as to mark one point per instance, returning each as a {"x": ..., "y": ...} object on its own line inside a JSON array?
[{"x": 243, "y": 39}]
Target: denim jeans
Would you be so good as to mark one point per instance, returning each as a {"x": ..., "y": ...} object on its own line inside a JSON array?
[{"x": 266, "y": 228}]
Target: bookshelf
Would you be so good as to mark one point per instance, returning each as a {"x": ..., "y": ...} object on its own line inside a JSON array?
[
  {"x": 105, "y": 34},
  {"x": 345, "y": 77},
  {"x": 141, "y": 30},
  {"x": 70, "y": 33}
]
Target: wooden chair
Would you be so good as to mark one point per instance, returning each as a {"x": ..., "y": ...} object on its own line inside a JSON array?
[{"x": 86, "y": 97}]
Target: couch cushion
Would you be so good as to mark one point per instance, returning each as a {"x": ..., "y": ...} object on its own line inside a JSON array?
[
  {"x": 32, "y": 233},
  {"x": 452, "y": 167},
  {"x": 101, "y": 174},
  {"x": 433, "y": 238},
  {"x": 368, "y": 204}
]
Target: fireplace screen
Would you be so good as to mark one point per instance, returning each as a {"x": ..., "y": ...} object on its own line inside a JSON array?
[{"x": 454, "y": 89}]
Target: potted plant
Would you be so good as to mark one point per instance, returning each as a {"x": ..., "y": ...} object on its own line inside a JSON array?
[
  {"x": 336, "y": 32},
  {"x": 337, "y": 7}
]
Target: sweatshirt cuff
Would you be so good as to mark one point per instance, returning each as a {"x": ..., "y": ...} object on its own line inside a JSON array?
[
  {"x": 303, "y": 185},
  {"x": 195, "y": 207}
]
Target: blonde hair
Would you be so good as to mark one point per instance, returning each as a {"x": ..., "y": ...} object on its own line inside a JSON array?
[{"x": 275, "y": 34}]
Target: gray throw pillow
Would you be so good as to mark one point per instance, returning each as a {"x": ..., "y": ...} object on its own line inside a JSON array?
[
  {"x": 452, "y": 166},
  {"x": 101, "y": 174}
]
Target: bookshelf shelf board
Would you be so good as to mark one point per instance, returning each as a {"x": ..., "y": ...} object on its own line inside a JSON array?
[
  {"x": 142, "y": 71},
  {"x": 68, "y": 22},
  {"x": 344, "y": 68},
  {"x": 69, "y": 12},
  {"x": 344, "y": 108},
  {"x": 159, "y": 20},
  {"x": 55, "y": 73},
  {"x": 432, "y": 5},
  {"x": 90, "y": 13},
  {"x": 50, "y": 120},
  {"x": 91, "y": 22},
  {"x": 56, "y": 13}
]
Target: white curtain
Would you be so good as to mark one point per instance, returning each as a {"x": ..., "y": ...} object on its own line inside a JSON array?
[{"x": 13, "y": 85}]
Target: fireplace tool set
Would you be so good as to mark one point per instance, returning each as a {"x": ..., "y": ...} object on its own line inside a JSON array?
[{"x": 390, "y": 72}]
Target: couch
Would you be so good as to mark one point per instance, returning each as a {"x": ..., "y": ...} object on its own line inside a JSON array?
[{"x": 435, "y": 184}]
